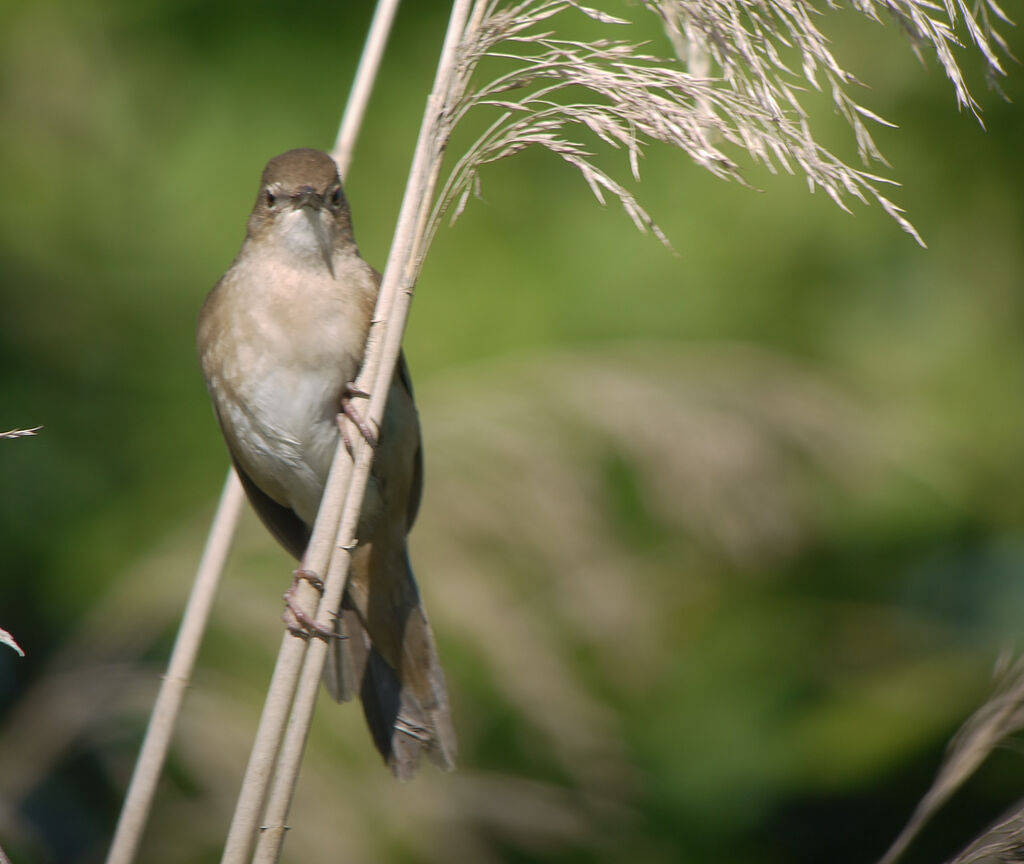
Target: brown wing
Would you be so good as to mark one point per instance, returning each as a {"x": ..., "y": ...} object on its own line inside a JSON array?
[
  {"x": 283, "y": 522},
  {"x": 416, "y": 488}
]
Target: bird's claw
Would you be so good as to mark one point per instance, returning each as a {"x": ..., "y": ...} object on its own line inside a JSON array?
[
  {"x": 296, "y": 618},
  {"x": 349, "y": 410},
  {"x": 302, "y": 574}
]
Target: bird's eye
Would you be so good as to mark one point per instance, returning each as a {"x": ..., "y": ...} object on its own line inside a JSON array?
[
  {"x": 336, "y": 196},
  {"x": 271, "y": 198}
]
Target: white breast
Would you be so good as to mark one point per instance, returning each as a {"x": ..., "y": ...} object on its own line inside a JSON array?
[{"x": 276, "y": 372}]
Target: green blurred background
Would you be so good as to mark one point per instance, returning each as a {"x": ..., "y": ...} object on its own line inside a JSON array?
[{"x": 720, "y": 547}]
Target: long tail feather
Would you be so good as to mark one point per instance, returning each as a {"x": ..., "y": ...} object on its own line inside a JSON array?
[{"x": 406, "y": 709}]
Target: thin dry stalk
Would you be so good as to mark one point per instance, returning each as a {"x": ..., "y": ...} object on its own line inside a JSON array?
[
  {"x": 20, "y": 433},
  {"x": 1001, "y": 716},
  {"x": 362, "y": 86},
  {"x": 400, "y": 273},
  {"x": 5, "y": 637},
  {"x": 281, "y": 691},
  {"x": 8, "y": 640},
  {"x": 148, "y": 766}
]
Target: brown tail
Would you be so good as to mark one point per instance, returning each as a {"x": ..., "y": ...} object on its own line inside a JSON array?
[{"x": 404, "y": 698}]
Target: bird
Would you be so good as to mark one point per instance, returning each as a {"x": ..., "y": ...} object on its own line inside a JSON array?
[{"x": 281, "y": 337}]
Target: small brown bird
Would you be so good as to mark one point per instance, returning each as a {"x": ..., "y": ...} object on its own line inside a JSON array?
[{"x": 281, "y": 337}]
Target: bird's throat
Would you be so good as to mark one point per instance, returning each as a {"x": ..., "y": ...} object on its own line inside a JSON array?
[{"x": 306, "y": 237}]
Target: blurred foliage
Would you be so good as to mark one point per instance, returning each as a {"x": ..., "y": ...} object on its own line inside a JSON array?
[{"x": 720, "y": 548}]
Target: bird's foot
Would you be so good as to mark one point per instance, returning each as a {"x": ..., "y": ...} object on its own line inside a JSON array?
[
  {"x": 349, "y": 410},
  {"x": 296, "y": 618}
]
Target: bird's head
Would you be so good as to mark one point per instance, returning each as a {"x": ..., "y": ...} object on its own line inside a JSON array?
[{"x": 301, "y": 206}]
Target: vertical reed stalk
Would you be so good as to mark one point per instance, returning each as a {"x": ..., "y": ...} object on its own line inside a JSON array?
[
  {"x": 281, "y": 692},
  {"x": 403, "y": 266},
  {"x": 150, "y": 762}
]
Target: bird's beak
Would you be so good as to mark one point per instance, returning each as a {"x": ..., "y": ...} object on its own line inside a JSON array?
[
  {"x": 312, "y": 208},
  {"x": 307, "y": 197}
]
